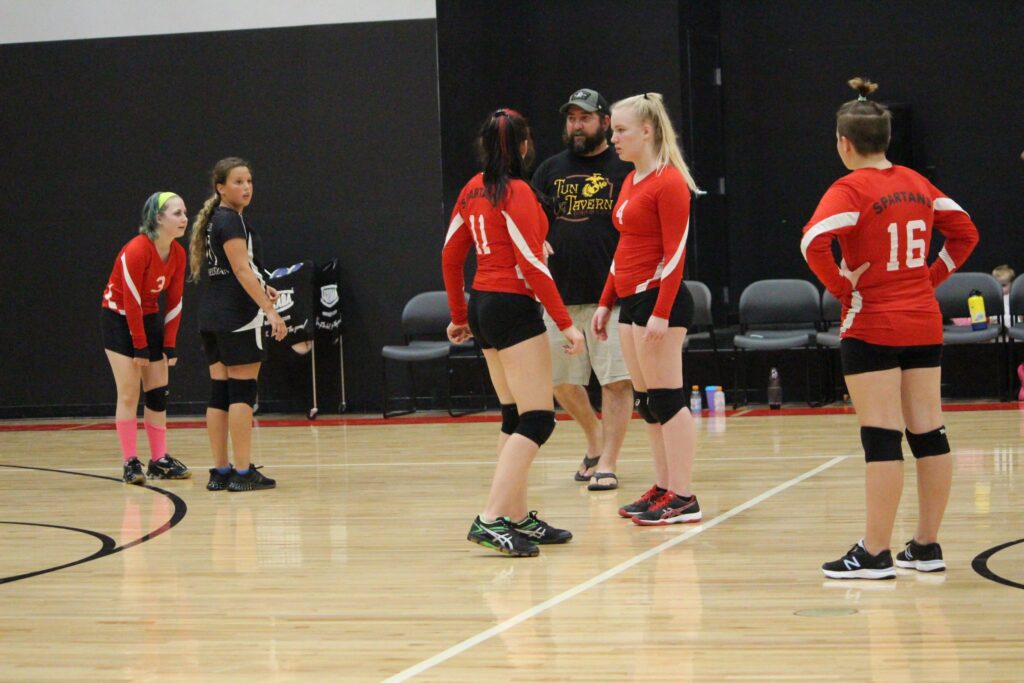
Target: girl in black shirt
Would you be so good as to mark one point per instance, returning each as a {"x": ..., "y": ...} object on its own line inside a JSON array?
[{"x": 233, "y": 305}]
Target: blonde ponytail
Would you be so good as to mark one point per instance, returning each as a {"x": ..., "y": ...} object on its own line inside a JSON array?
[
  {"x": 197, "y": 240},
  {"x": 650, "y": 108}
]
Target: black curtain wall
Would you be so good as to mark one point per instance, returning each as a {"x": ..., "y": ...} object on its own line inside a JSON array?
[{"x": 360, "y": 136}]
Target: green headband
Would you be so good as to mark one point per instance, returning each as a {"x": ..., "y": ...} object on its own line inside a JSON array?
[{"x": 164, "y": 196}]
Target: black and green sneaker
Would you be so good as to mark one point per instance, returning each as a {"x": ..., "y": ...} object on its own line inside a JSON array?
[
  {"x": 133, "y": 473},
  {"x": 499, "y": 535},
  {"x": 539, "y": 531},
  {"x": 168, "y": 468}
]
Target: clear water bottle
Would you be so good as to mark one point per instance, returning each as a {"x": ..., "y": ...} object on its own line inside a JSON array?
[
  {"x": 695, "y": 400},
  {"x": 719, "y": 400},
  {"x": 774, "y": 389}
]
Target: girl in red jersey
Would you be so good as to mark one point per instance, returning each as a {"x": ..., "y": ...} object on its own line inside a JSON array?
[
  {"x": 891, "y": 331},
  {"x": 139, "y": 342},
  {"x": 652, "y": 214},
  {"x": 498, "y": 213},
  {"x": 233, "y": 304}
]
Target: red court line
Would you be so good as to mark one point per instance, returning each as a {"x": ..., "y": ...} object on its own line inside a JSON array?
[
  {"x": 445, "y": 419},
  {"x": 848, "y": 410}
]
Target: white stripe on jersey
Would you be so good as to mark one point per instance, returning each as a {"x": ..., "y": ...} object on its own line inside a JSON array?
[
  {"x": 642, "y": 287},
  {"x": 674, "y": 261},
  {"x": 947, "y": 259},
  {"x": 173, "y": 313},
  {"x": 947, "y": 204},
  {"x": 457, "y": 223},
  {"x": 840, "y": 220},
  {"x": 128, "y": 281},
  {"x": 524, "y": 248},
  {"x": 856, "y": 304}
]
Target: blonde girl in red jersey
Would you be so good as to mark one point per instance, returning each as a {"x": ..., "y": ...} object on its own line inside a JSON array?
[
  {"x": 652, "y": 213},
  {"x": 891, "y": 348},
  {"x": 498, "y": 214},
  {"x": 139, "y": 340}
]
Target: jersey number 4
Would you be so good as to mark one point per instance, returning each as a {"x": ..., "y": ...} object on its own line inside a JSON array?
[
  {"x": 915, "y": 245},
  {"x": 476, "y": 228}
]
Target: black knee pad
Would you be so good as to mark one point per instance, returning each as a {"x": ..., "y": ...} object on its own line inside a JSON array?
[
  {"x": 242, "y": 391},
  {"x": 509, "y": 418},
  {"x": 929, "y": 443},
  {"x": 665, "y": 403},
  {"x": 536, "y": 425},
  {"x": 156, "y": 399},
  {"x": 881, "y": 445},
  {"x": 640, "y": 401},
  {"x": 219, "y": 394}
]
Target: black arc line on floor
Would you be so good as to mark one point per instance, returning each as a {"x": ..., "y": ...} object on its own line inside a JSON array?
[
  {"x": 108, "y": 545},
  {"x": 980, "y": 564}
]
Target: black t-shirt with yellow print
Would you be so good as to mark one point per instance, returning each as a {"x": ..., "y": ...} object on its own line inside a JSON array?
[{"x": 581, "y": 193}]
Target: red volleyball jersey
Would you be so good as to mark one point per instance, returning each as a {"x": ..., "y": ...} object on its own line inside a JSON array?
[
  {"x": 136, "y": 282},
  {"x": 885, "y": 217},
  {"x": 509, "y": 241},
  {"x": 653, "y": 217}
]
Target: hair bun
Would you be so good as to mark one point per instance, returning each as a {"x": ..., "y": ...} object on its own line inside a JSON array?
[{"x": 862, "y": 85}]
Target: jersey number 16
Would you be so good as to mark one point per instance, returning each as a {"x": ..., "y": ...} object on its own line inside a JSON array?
[{"x": 915, "y": 245}]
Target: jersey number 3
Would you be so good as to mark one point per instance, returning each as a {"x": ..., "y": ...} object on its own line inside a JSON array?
[
  {"x": 915, "y": 245},
  {"x": 479, "y": 234}
]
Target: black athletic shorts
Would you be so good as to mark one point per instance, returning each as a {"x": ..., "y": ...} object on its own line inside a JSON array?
[
  {"x": 860, "y": 356},
  {"x": 499, "y": 320},
  {"x": 636, "y": 309},
  {"x": 118, "y": 338},
  {"x": 234, "y": 348}
]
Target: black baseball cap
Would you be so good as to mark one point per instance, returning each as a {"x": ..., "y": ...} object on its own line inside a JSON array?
[{"x": 587, "y": 100}]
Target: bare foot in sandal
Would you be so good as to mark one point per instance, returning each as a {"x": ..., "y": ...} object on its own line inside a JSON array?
[
  {"x": 603, "y": 481},
  {"x": 586, "y": 470}
]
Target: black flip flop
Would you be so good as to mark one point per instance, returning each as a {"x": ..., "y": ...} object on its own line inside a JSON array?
[
  {"x": 603, "y": 487},
  {"x": 587, "y": 464}
]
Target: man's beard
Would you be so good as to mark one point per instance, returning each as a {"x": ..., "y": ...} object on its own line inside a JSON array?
[{"x": 584, "y": 144}]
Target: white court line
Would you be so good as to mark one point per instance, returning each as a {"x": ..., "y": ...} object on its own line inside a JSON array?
[
  {"x": 451, "y": 463},
  {"x": 602, "y": 577}
]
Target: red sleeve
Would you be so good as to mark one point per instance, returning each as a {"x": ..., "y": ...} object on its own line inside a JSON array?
[
  {"x": 172, "y": 319},
  {"x": 527, "y": 226},
  {"x": 674, "y": 214},
  {"x": 134, "y": 262},
  {"x": 608, "y": 296},
  {"x": 453, "y": 258},
  {"x": 961, "y": 237},
  {"x": 836, "y": 215}
]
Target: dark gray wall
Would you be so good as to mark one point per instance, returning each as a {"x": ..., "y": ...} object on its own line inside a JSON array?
[
  {"x": 340, "y": 124},
  {"x": 361, "y": 136},
  {"x": 956, "y": 64}
]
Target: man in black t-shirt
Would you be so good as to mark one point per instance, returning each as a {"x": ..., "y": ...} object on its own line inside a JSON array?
[{"x": 581, "y": 185}]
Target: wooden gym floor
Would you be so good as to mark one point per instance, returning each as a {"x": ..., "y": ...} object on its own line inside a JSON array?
[{"x": 356, "y": 567}]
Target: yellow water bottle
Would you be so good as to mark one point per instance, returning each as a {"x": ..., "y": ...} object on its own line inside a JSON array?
[{"x": 976, "y": 306}]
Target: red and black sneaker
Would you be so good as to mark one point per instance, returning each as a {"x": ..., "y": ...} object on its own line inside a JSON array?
[
  {"x": 670, "y": 509},
  {"x": 643, "y": 503}
]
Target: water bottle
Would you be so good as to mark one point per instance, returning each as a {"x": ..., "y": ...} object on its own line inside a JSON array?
[
  {"x": 976, "y": 305},
  {"x": 695, "y": 400},
  {"x": 774, "y": 389},
  {"x": 709, "y": 397},
  {"x": 719, "y": 400}
]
